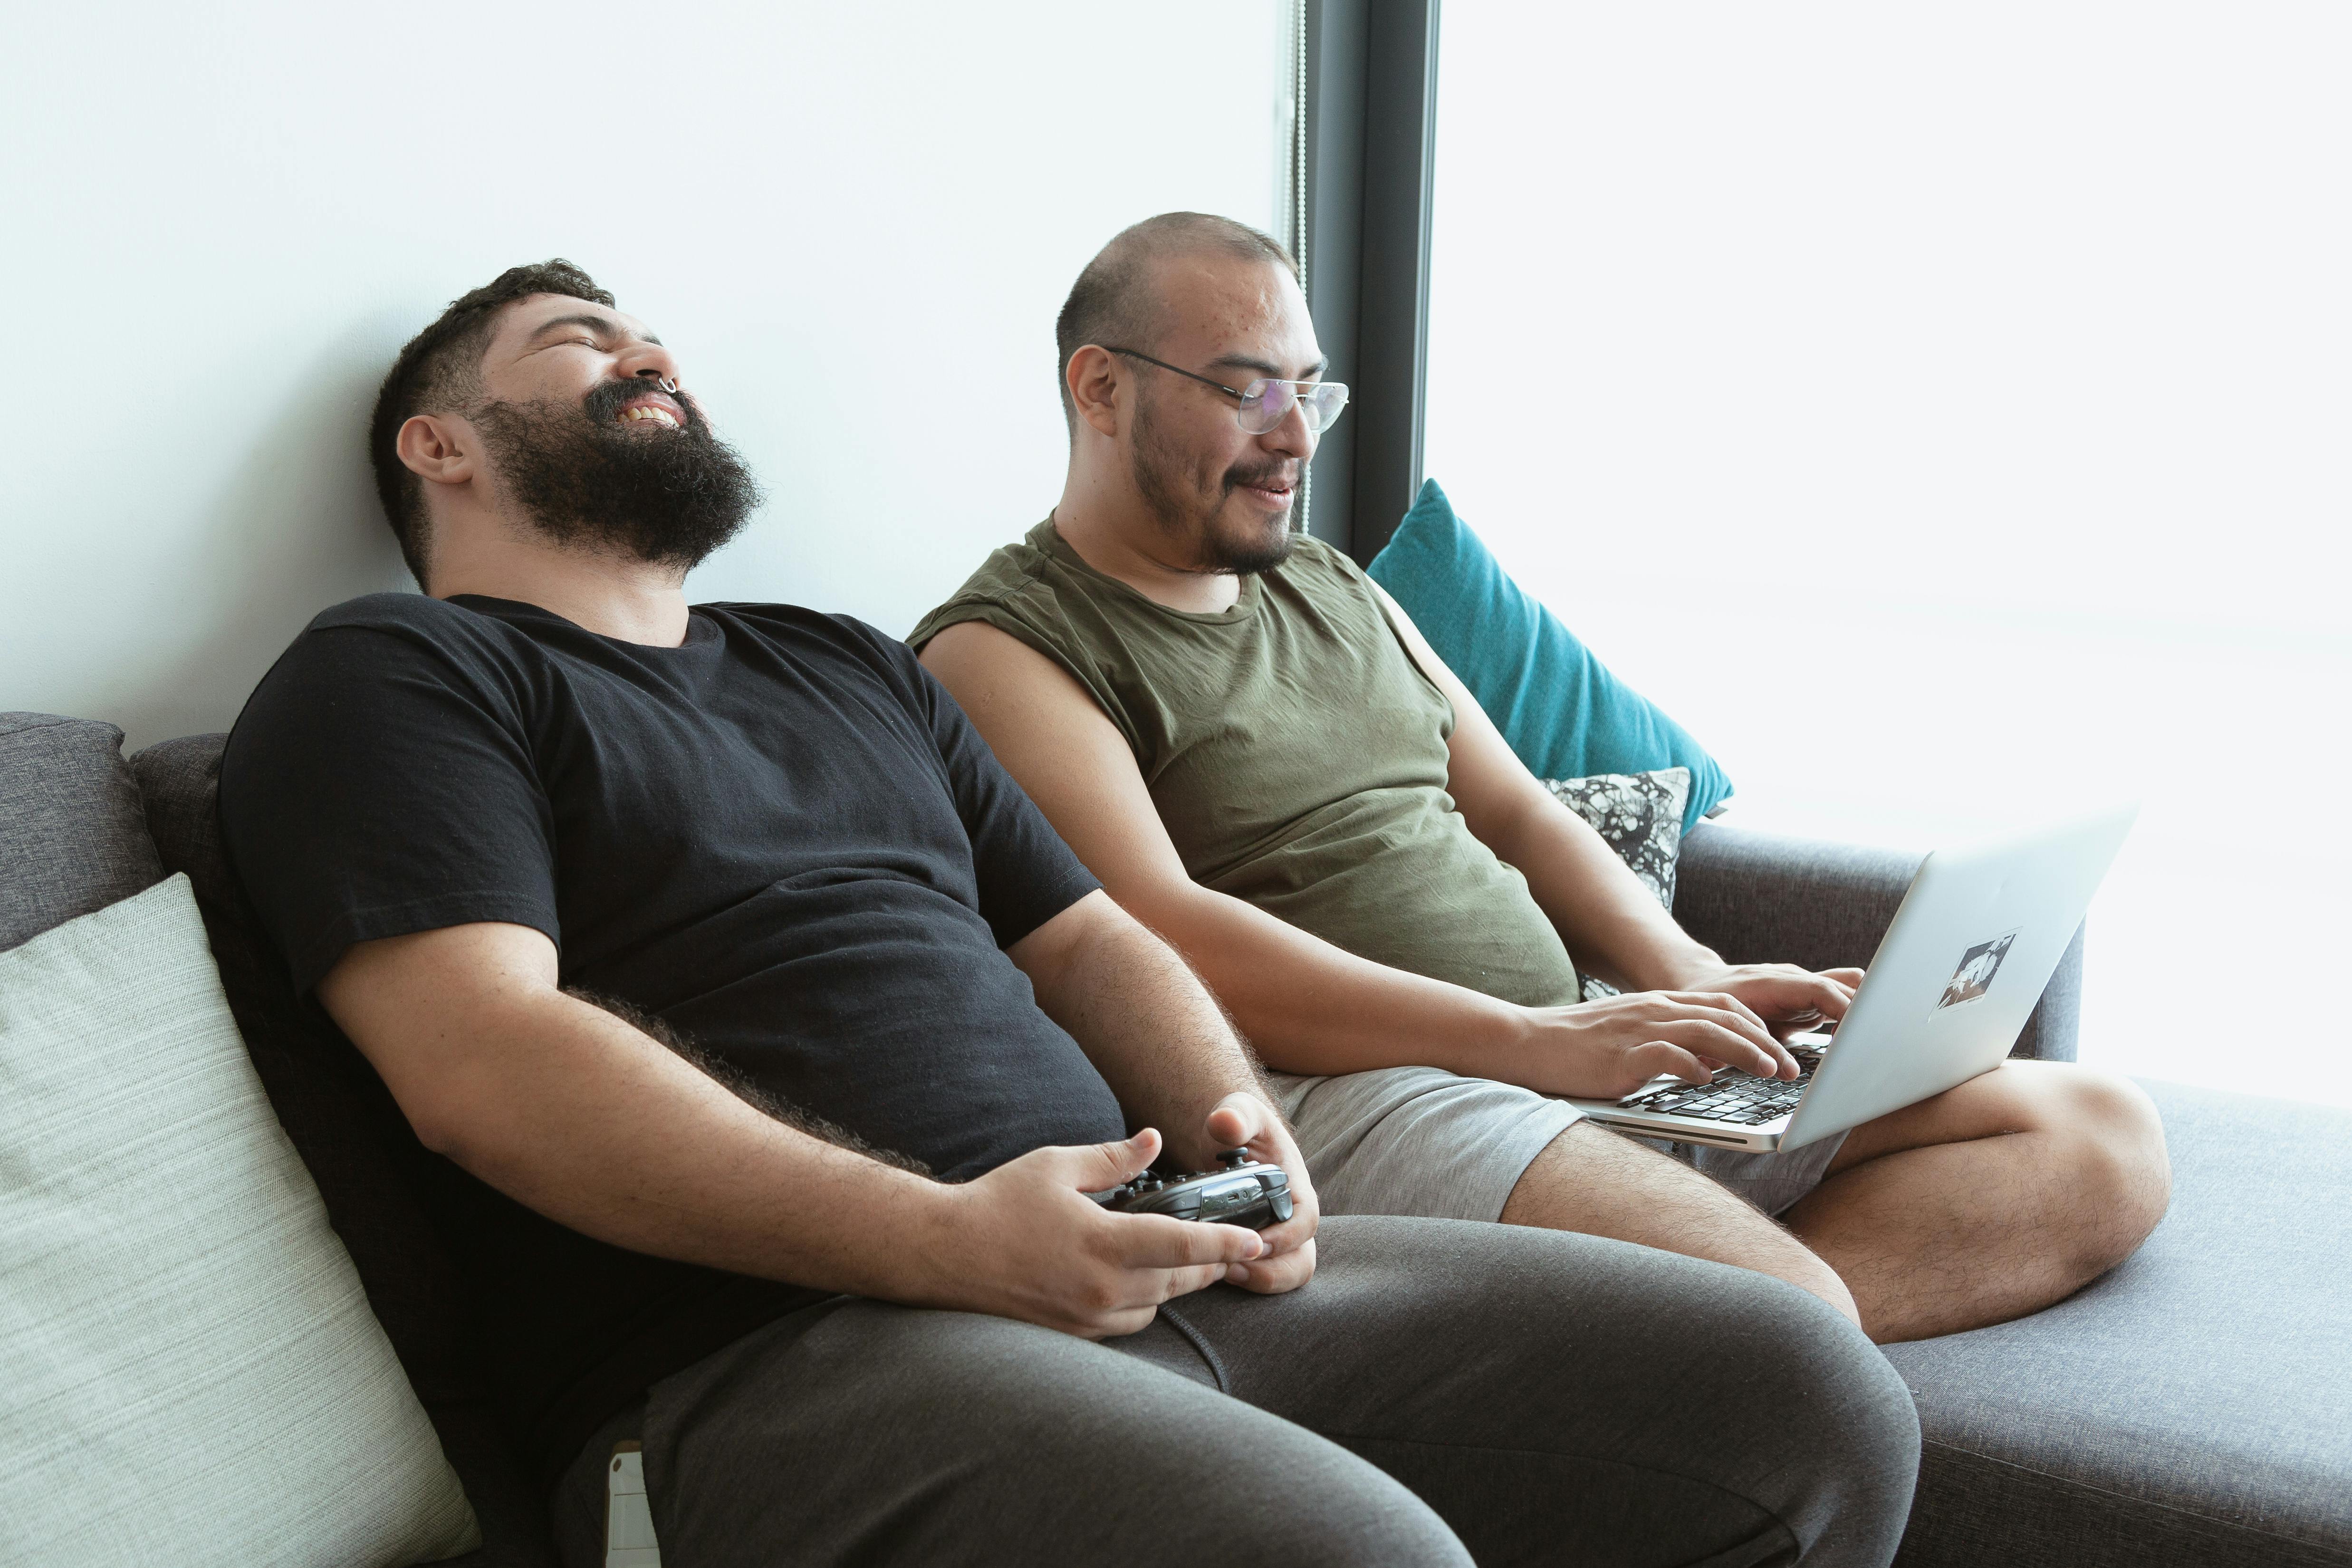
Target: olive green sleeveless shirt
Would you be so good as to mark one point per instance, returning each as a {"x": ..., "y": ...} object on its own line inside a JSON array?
[{"x": 1295, "y": 753}]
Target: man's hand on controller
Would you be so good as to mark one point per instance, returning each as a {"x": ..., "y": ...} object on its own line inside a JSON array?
[
  {"x": 1242, "y": 1120},
  {"x": 1024, "y": 1241}
]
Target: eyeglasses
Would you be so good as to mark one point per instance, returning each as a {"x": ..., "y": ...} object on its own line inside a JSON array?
[{"x": 1267, "y": 404}]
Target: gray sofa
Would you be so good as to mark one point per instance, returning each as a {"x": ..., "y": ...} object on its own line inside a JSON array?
[
  {"x": 2194, "y": 1406},
  {"x": 2190, "y": 1409}
]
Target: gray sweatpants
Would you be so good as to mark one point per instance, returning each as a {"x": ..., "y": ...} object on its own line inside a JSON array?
[{"x": 1441, "y": 1392}]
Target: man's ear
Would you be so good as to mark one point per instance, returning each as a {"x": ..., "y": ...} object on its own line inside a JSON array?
[
  {"x": 1093, "y": 379},
  {"x": 437, "y": 448}
]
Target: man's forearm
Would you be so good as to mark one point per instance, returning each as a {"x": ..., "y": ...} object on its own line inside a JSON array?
[
  {"x": 1308, "y": 1006},
  {"x": 1145, "y": 1020}
]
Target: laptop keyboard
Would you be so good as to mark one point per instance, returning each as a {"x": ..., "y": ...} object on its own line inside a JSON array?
[{"x": 1734, "y": 1096}]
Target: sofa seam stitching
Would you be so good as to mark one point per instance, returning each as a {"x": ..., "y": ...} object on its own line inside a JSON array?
[
  {"x": 48, "y": 722},
  {"x": 2123, "y": 1497}
]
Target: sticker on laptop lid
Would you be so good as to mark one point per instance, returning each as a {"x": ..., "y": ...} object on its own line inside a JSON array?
[{"x": 1973, "y": 978}]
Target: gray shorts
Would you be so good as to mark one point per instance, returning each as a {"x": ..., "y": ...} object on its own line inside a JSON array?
[{"x": 1425, "y": 1141}]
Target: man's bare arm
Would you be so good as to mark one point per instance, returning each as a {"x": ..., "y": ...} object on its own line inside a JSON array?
[
  {"x": 573, "y": 1112},
  {"x": 1144, "y": 1019},
  {"x": 1610, "y": 922},
  {"x": 1171, "y": 1055},
  {"x": 1306, "y": 1005},
  {"x": 1608, "y": 919}
]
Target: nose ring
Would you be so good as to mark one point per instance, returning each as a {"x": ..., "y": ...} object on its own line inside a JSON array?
[{"x": 667, "y": 385}]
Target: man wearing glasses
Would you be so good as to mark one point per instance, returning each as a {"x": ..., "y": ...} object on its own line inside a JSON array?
[{"x": 1263, "y": 760}]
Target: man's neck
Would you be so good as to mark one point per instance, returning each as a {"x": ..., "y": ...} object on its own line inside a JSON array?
[
  {"x": 630, "y": 601},
  {"x": 1115, "y": 533}
]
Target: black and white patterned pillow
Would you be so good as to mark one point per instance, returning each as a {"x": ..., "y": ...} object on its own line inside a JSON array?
[{"x": 1640, "y": 815}]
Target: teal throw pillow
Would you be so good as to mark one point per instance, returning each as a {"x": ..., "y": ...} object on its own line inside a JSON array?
[{"x": 1558, "y": 707}]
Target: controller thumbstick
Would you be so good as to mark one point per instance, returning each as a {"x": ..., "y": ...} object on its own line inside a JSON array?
[{"x": 1233, "y": 1159}]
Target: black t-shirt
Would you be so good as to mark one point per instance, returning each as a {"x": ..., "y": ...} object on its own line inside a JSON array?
[{"x": 784, "y": 838}]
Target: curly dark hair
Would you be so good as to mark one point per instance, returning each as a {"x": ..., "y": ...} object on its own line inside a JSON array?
[{"x": 438, "y": 370}]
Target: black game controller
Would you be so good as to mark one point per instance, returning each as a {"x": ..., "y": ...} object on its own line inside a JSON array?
[{"x": 1241, "y": 1192}]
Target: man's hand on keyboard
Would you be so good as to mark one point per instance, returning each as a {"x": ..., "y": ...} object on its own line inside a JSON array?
[
  {"x": 1603, "y": 1049},
  {"x": 1788, "y": 999}
]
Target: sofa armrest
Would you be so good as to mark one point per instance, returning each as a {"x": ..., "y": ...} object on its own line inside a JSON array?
[{"x": 1759, "y": 898}]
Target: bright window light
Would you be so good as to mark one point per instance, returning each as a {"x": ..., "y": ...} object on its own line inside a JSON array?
[{"x": 1944, "y": 413}]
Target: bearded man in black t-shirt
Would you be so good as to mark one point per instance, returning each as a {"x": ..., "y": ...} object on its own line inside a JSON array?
[{"x": 775, "y": 1042}]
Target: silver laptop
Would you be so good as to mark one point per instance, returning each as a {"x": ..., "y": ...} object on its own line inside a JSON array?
[{"x": 1959, "y": 969}]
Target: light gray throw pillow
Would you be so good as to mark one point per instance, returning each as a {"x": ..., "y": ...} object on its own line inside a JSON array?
[{"x": 189, "y": 1372}]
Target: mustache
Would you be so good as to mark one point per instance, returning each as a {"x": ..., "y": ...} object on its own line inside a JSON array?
[
  {"x": 1285, "y": 471},
  {"x": 605, "y": 400}
]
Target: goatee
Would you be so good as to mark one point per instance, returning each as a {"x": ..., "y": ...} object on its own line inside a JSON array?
[
  {"x": 585, "y": 478},
  {"x": 1159, "y": 474}
]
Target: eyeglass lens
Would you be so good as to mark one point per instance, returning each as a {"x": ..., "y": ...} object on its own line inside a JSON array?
[{"x": 1267, "y": 404}]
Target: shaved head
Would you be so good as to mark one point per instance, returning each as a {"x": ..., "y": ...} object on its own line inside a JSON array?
[{"x": 1118, "y": 300}]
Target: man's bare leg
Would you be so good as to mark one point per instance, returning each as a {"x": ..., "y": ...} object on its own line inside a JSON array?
[
  {"x": 1594, "y": 1182},
  {"x": 1989, "y": 1201}
]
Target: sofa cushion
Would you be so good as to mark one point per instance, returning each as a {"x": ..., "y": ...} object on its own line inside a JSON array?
[
  {"x": 368, "y": 1166},
  {"x": 185, "y": 1348},
  {"x": 1640, "y": 815},
  {"x": 71, "y": 838},
  {"x": 2189, "y": 1407}
]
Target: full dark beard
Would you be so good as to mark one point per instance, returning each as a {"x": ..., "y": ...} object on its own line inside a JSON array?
[
  {"x": 1160, "y": 478},
  {"x": 665, "y": 496}
]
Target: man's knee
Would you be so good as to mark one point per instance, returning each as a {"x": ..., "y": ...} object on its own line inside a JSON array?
[
  {"x": 2098, "y": 1141},
  {"x": 1834, "y": 1397},
  {"x": 2111, "y": 1139},
  {"x": 2117, "y": 1140},
  {"x": 1685, "y": 1401},
  {"x": 2117, "y": 1109},
  {"x": 1802, "y": 1380}
]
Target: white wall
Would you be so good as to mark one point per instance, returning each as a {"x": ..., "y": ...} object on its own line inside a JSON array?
[{"x": 854, "y": 224}]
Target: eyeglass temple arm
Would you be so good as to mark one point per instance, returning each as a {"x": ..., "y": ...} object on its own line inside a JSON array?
[{"x": 1180, "y": 369}]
